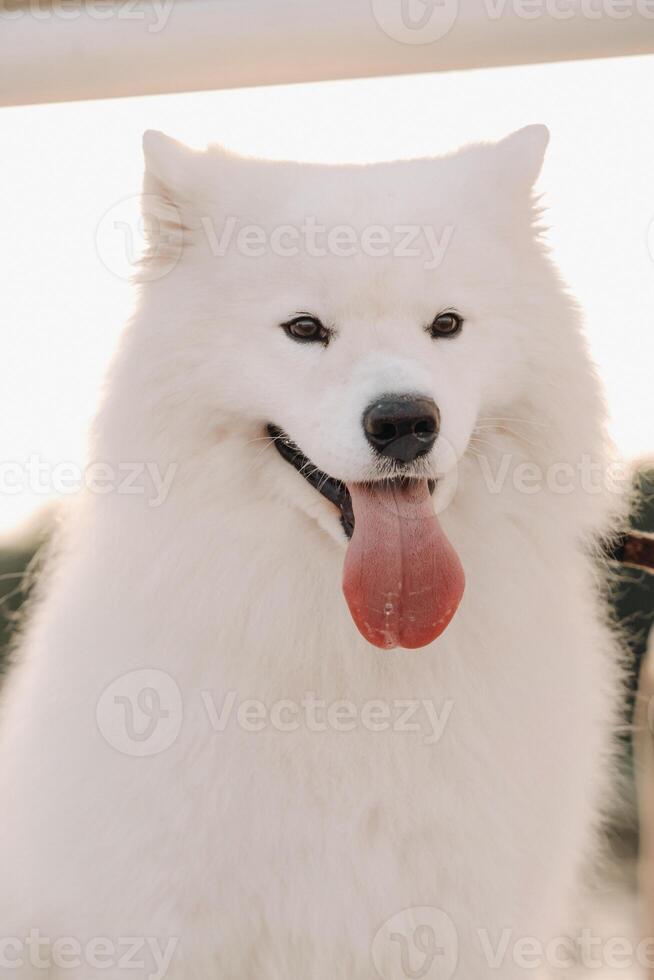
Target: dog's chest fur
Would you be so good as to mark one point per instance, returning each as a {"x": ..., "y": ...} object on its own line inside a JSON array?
[{"x": 291, "y": 844}]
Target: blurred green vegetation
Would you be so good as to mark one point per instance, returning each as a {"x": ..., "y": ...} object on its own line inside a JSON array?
[
  {"x": 632, "y": 594},
  {"x": 13, "y": 566},
  {"x": 14, "y": 586}
]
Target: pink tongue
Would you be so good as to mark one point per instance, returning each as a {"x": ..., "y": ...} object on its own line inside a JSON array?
[{"x": 402, "y": 579}]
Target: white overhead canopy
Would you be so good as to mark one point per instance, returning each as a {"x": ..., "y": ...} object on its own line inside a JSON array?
[{"x": 62, "y": 50}]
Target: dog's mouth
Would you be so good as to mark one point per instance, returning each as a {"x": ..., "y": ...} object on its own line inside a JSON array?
[
  {"x": 334, "y": 490},
  {"x": 402, "y": 579}
]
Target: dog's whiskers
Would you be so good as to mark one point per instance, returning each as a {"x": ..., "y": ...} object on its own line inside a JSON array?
[
  {"x": 251, "y": 442},
  {"x": 480, "y": 441},
  {"x": 487, "y": 425},
  {"x": 490, "y": 418},
  {"x": 269, "y": 441}
]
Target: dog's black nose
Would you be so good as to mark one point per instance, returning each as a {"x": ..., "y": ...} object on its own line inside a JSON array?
[{"x": 402, "y": 427}]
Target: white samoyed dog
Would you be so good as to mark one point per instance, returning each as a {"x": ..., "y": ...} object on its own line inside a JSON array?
[{"x": 324, "y": 689}]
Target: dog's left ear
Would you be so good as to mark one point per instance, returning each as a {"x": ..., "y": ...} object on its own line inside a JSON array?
[{"x": 519, "y": 157}]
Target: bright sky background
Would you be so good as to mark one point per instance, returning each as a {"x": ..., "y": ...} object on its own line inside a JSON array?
[{"x": 63, "y": 166}]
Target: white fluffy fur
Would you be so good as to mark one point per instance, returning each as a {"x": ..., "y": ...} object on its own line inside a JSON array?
[{"x": 278, "y": 855}]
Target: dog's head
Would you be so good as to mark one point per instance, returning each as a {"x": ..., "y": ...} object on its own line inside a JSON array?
[{"x": 361, "y": 318}]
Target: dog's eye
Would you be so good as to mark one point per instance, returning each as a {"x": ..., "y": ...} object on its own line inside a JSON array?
[
  {"x": 446, "y": 324},
  {"x": 306, "y": 329}
]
